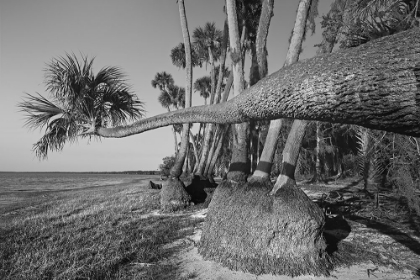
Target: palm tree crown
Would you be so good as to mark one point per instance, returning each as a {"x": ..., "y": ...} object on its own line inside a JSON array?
[
  {"x": 178, "y": 56},
  {"x": 203, "y": 86},
  {"x": 78, "y": 98},
  {"x": 207, "y": 38}
]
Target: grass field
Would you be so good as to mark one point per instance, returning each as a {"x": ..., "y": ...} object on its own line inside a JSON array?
[
  {"x": 108, "y": 232},
  {"x": 93, "y": 233}
]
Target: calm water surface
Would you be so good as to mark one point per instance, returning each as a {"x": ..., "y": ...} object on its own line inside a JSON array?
[
  {"x": 19, "y": 189},
  {"x": 48, "y": 181}
]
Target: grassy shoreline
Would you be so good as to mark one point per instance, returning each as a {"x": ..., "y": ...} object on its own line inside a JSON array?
[{"x": 87, "y": 234}]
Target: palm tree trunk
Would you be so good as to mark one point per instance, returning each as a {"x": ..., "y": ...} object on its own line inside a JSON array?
[
  {"x": 318, "y": 169},
  {"x": 262, "y": 33},
  {"x": 341, "y": 87},
  {"x": 218, "y": 148},
  {"x": 173, "y": 195},
  {"x": 211, "y": 150},
  {"x": 290, "y": 157},
  {"x": 239, "y": 167},
  {"x": 219, "y": 92},
  {"x": 264, "y": 166},
  {"x": 222, "y": 63},
  {"x": 365, "y": 154},
  {"x": 194, "y": 147},
  {"x": 212, "y": 77},
  {"x": 177, "y": 168},
  {"x": 175, "y": 141}
]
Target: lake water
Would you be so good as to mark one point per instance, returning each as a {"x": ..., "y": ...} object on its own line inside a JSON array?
[
  {"x": 19, "y": 187},
  {"x": 50, "y": 181}
]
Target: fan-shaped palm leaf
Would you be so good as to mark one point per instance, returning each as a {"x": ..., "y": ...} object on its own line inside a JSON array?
[{"x": 77, "y": 98}]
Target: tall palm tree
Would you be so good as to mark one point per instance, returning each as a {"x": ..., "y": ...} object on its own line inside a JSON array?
[
  {"x": 207, "y": 43},
  {"x": 77, "y": 96},
  {"x": 170, "y": 96},
  {"x": 174, "y": 195}
]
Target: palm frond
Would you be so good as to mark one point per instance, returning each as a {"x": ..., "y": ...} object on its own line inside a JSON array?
[
  {"x": 59, "y": 132},
  {"x": 165, "y": 100},
  {"x": 121, "y": 106},
  {"x": 39, "y": 111}
]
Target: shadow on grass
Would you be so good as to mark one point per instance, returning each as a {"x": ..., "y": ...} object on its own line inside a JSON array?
[
  {"x": 390, "y": 231},
  {"x": 392, "y": 219}
]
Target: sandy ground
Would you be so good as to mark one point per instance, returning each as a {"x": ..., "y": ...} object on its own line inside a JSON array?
[{"x": 193, "y": 266}]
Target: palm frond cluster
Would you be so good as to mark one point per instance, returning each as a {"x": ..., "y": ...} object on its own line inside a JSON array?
[
  {"x": 78, "y": 98},
  {"x": 370, "y": 19}
]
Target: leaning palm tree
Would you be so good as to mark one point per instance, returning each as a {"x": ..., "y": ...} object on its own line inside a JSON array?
[
  {"x": 324, "y": 88},
  {"x": 78, "y": 96}
]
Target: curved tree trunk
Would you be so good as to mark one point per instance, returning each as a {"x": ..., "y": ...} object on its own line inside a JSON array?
[
  {"x": 174, "y": 195},
  {"x": 375, "y": 85}
]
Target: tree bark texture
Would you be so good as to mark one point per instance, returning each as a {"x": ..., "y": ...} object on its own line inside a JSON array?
[
  {"x": 262, "y": 33},
  {"x": 375, "y": 85},
  {"x": 222, "y": 62},
  {"x": 318, "y": 171}
]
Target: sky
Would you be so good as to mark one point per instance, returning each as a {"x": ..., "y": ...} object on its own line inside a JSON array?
[{"x": 136, "y": 36}]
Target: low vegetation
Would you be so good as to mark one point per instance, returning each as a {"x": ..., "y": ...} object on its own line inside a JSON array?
[{"x": 92, "y": 234}]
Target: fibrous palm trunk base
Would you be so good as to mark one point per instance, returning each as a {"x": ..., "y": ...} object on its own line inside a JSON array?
[
  {"x": 173, "y": 196},
  {"x": 248, "y": 230}
]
